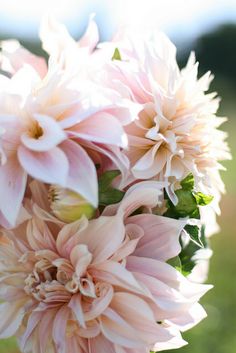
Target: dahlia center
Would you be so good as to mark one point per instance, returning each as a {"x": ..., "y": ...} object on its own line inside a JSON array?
[
  {"x": 35, "y": 130},
  {"x": 57, "y": 282}
]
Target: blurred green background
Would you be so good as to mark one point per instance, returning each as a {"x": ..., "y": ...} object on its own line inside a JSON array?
[{"x": 216, "y": 50}]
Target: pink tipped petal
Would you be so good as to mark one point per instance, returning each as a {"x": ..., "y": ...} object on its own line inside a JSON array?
[
  {"x": 82, "y": 176},
  {"x": 50, "y": 167},
  {"x": 12, "y": 188},
  {"x": 52, "y": 135}
]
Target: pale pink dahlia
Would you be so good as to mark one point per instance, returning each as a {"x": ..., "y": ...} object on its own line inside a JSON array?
[
  {"x": 176, "y": 131},
  {"x": 97, "y": 286},
  {"x": 53, "y": 126}
]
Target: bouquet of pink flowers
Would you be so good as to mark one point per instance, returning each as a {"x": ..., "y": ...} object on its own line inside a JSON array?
[{"x": 109, "y": 190}]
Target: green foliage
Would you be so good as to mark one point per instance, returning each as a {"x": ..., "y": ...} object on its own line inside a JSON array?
[
  {"x": 116, "y": 55},
  {"x": 188, "y": 182},
  {"x": 176, "y": 263},
  {"x": 188, "y": 207},
  {"x": 202, "y": 199},
  {"x": 107, "y": 194},
  {"x": 194, "y": 233}
]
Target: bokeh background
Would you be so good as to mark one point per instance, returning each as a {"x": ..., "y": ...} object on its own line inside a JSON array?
[{"x": 209, "y": 28}]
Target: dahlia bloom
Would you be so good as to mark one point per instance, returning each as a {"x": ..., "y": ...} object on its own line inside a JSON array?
[
  {"x": 98, "y": 286},
  {"x": 52, "y": 123},
  {"x": 176, "y": 131}
]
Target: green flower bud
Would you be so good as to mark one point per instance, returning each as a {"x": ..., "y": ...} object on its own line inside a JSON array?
[{"x": 69, "y": 206}]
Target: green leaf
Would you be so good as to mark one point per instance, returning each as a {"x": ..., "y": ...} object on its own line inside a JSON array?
[
  {"x": 188, "y": 182},
  {"x": 186, "y": 203},
  {"x": 106, "y": 179},
  {"x": 176, "y": 263},
  {"x": 195, "y": 234},
  {"x": 188, "y": 251},
  {"x": 116, "y": 55},
  {"x": 186, "y": 257},
  {"x": 110, "y": 196},
  {"x": 202, "y": 199},
  {"x": 107, "y": 194}
]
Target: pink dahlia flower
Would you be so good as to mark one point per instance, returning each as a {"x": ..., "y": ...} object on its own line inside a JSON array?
[
  {"x": 176, "y": 131},
  {"x": 98, "y": 286},
  {"x": 52, "y": 124}
]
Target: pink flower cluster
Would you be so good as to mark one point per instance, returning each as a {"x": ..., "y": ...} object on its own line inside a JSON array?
[{"x": 78, "y": 274}]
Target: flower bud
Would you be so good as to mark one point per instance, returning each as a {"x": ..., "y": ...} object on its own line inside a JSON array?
[{"x": 69, "y": 206}]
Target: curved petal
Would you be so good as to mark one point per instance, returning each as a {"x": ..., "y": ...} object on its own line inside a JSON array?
[
  {"x": 69, "y": 236},
  {"x": 14, "y": 56},
  {"x": 12, "y": 188},
  {"x": 161, "y": 239},
  {"x": 82, "y": 176},
  {"x": 102, "y": 128},
  {"x": 150, "y": 164},
  {"x": 103, "y": 237},
  {"x": 91, "y": 36},
  {"x": 194, "y": 315},
  {"x": 59, "y": 328},
  {"x": 76, "y": 307},
  {"x": 118, "y": 331},
  {"x": 52, "y": 135},
  {"x": 135, "y": 311},
  {"x": 50, "y": 167},
  {"x": 99, "y": 304},
  {"x": 101, "y": 344},
  {"x": 11, "y": 317},
  {"x": 117, "y": 275}
]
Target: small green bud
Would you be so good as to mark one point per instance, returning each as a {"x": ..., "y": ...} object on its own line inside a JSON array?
[{"x": 69, "y": 206}]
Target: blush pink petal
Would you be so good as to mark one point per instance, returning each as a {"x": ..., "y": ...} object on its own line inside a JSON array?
[
  {"x": 49, "y": 167},
  {"x": 11, "y": 317},
  {"x": 194, "y": 315},
  {"x": 69, "y": 236},
  {"x": 45, "y": 329},
  {"x": 14, "y": 56},
  {"x": 97, "y": 236},
  {"x": 59, "y": 328},
  {"x": 76, "y": 306},
  {"x": 12, "y": 188},
  {"x": 117, "y": 275},
  {"x": 150, "y": 164},
  {"x": 135, "y": 311},
  {"x": 31, "y": 324},
  {"x": 101, "y": 344},
  {"x": 82, "y": 176},
  {"x": 52, "y": 135},
  {"x": 118, "y": 331},
  {"x": 100, "y": 304},
  {"x": 164, "y": 246},
  {"x": 95, "y": 128}
]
